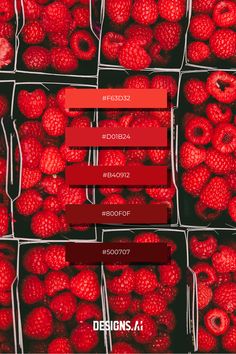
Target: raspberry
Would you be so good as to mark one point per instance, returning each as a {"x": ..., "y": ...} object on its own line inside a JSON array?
[
  {"x": 224, "y": 260},
  {"x": 168, "y": 34},
  {"x": 7, "y": 30},
  {"x": 4, "y": 220},
  {"x": 137, "y": 82},
  {"x": 30, "y": 177},
  {"x": 2, "y": 171},
  {"x": 224, "y": 138},
  {"x": 111, "y": 44},
  {"x": 7, "y": 11},
  {"x": 60, "y": 99},
  {"x": 8, "y": 274},
  {"x": 206, "y": 341},
  {"x": 215, "y": 194},
  {"x": 223, "y": 278},
  {"x": 218, "y": 162},
  {"x": 73, "y": 155},
  {"x": 32, "y": 10},
  {"x": 136, "y": 199},
  {"x": 56, "y": 281},
  {"x": 31, "y": 152},
  {"x": 158, "y": 156},
  {"x": 88, "y": 311},
  {"x": 198, "y": 131},
  {"x": 133, "y": 56},
  {"x": 63, "y": 306},
  {"x": 204, "y": 295},
  {"x": 147, "y": 237},
  {"x": 80, "y": 122},
  {"x": 145, "y": 122},
  {"x": 54, "y": 122},
  {"x": 45, "y": 224},
  {"x": 225, "y": 296},
  {"x": 205, "y": 6},
  {"x": 145, "y": 13},
  {"x": 119, "y": 303},
  {"x": 32, "y": 289},
  {"x": 83, "y": 45},
  {"x": 112, "y": 158},
  {"x": 59, "y": 345},
  {"x": 85, "y": 285},
  {"x": 51, "y": 203},
  {"x": 223, "y": 43},
  {"x": 216, "y": 321},
  {"x": 51, "y": 161},
  {"x": 135, "y": 155},
  {"x": 203, "y": 246},
  {"x": 50, "y": 184},
  {"x": 172, "y": 10},
  {"x": 38, "y": 324},
  {"x": 232, "y": 209},
  {"x": 118, "y": 11},
  {"x": 33, "y": 33},
  {"x": 228, "y": 340},
  {"x": 7, "y": 52},
  {"x": 5, "y": 298},
  {"x": 161, "y": 194},
  {"x": 170, "y": 275},
  {"x": 166, "y": 82},
  {"x": 114, "y": 199},
  {"x": 109, "y": 190},
  {"x": 29, "y": 202},
  {"x": 32, "y": 104},
  {"x": 59, "y": 39},
  {"x": 69, "y": 195},
  {"x": 123, "y": 347},
  {"x": 195, "y": 91},
  {"x": 6, "y": 319},
  {"x": 218, "y": 113},
  {"x": 56, "y": 17},
  {"x": 201, "y": 27},
  {"x": 55, "y": 257},
  {"x": 145, "y": 281},
  {"x": 84, "y": 338},
  {"x": 149, "y": 328},
  {"x": 224, "y": 13},
  {"x": 36, "y": 58},
  {"x": 34, "y": 260},
  {"x": 205, "y": 213},
  {"x": 31, "y": 129},
  {"x": 63, "y": 60},
  {"x": 154, "y": 304},
  {"x": 222, "y": 86},
  {"x": 139, "y": 32},
  {"x": 205, "y": 273},
  {"x": 122, "y": 284},
  {"x": 197, "y": 52},
  {"x": 4, "y": 105},
  {"x": 191, "y": 156},
  {"x": 81, "y": 16}
]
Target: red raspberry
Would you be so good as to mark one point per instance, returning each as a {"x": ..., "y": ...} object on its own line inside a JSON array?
[
  {"x": 159, "y": 156},
  {"x": 224, "y": 260},
  {"x": 204, "y": 295},
  {"x": 205, "y": 6},
  {"x": 203, "y": 246},
  {"x": 224, "y": 13},
  {"x": 139, "y": 32},
  {"x": 31, "y": 152},
  {"x": 216, "y": 321},
  {"x": 71, "y": 3},
  {"x": 4, "y": 220},
  {"x": 160, "y": 344},
  {"x": 69, "y": 195},
  {"x": 29, "y": 202},
  {"x": 225, "y": 296},
  {"x": 81, "y": 16},
  {"x": 161, "y": 194},
  {"x": 170, "y": 275},
  {"x": 145, "y": 13},
  {"x": 60, "y": 100},
  {"x": 30, "y": 177},
  {"x": 56, "y": 18},
  {"x": 55, "y": 257},
  {"x": 228, "y": 340},
  {"x": 54, "y": 122},
  {"x": 50, "y": 184},
  {"x": 7, "y": 52},
  {"x": 84, "y": 338},
  {"x": 5, "y": 298},
  {"x": 122, "y": 284},
  {"x": 32, "y": 104},
  {"x": 109, "y": 190},
  {"x": 136, "y": 199},
  {"x": 223, "y": 43},
  {"x": 232, "y": 209},
  {"x": 149, "y": 328},
  {"x": 7, "y": 30},
  {"x": 6, "y": 319},
  {"x": 123, "y": 347},
  {"x": 51, "y": 161},
  {"x": 7, "y": 11},
  {"x": 32, "y": 290},
  {"x": 218, "y": 162},
  {"x": 63, "y": 306},
  {"x": 36, "y": 58},
  {"x": 63, "y": 60},
  {"x": 167, "y": 320},
  {"x": 215, "y": 194},
  {"x": 34, "y": 260},
  {"x": 32, "y": 10},
  {"x": 33, "y": 33},
  {"x": 59, "y": 345},
  {"x": 4, "y": 105},
  {"x": 114, "y": 199},
  {"x": 85, "y": 285},
  {"x": 119, "y": 303},
  {"x": 205, "y": 273},
  {"x": 166, "y": 82},
  {"x": 2, "y": 171},
  {"x": 8, "y": 274},
  {"x": 168, "y": 34},
  {"x": 73, "y": 155},
  {"x": 154, "y": 304},
  {"x": 31, "y": 129},
  {"x": 111, "y": 44},
  {"x": 133, "y": 56},
  {"x": 206, "y": 341},
  {"x": 51, "y": 203},
  {"x": 218, "y": 113},
  {"x": 137, "y": 82},
  {"x": 58, "y": 39},
  {"x": 198, "y": 52},
  {"x": 83, "y": 45},
  {"x": 191, "y": 156},
  {"x": 224, "y": 138},
  {"x": 145, "y": 281},
  {"x": 201, "y": 27},
  {"x": 205, "y": 213},
  {"x": 135, "y": 155},
  {"x": 146, "y": 237},
  {"x": 45, "y": 224},
  {"x": 56, "y": 281},
  {"x": 198, "y": 131},
  {"x": 118, "y": 11},
  {"x": 38, "y": 324},
  {"x": 195, "y": 91},
  {"x": 88, "y": 311},
  {"x": 115, "y": 267},
  {"x": 222, "y": 86},
  {"x": 172, "y": 10},
  {"x": 80, "y": 122},
  {"x": 112, "y": 158},
  {"x": 223, "y": 278},
  {"x": 145, "y": 122}
]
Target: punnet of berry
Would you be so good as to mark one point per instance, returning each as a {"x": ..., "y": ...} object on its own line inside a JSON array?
[
  {"x": 213, "y": 259},
  {"x": 41, "y": 157}
]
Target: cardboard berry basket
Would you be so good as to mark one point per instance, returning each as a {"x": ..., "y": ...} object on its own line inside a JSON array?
[
  {"x": 203, "y": 120},
  {"x": 159, "y": 43},
  {"x": 126, "y": 304},
  {"x": 212, "y": 260},
  {"x": 39, "y": 184},
  {"x": 214, "y": 47},
  {"x": 63, "y": 302},
  {"x": 44, "y": 50}
]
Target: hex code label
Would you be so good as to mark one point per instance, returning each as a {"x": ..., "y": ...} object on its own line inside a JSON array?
[
  {"x": 116, "y": 175},
  {"x": 116, "y": 213},
  {"x": 116, "y": 137},
  {"x": 117, "y": 98},
  {"x": 116, "y": 252}
]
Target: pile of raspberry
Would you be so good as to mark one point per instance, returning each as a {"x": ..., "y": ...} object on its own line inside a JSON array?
[
  {"x": 143, "y": 294},
  {"x": 212, "y": 36},
  {"x": 138, "y": 34},
  {"x": 208, "y": 153},
  {"x": 57, "y": 35},
  {"x": 7, "y": 33},
  {"x": 215, "y": 266},
  {"x": 8, "y": 272},
  {"x": 44, "y": 192},
  {"x": 4, "y": 200},
  {"x": 58, "y": 303}
]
